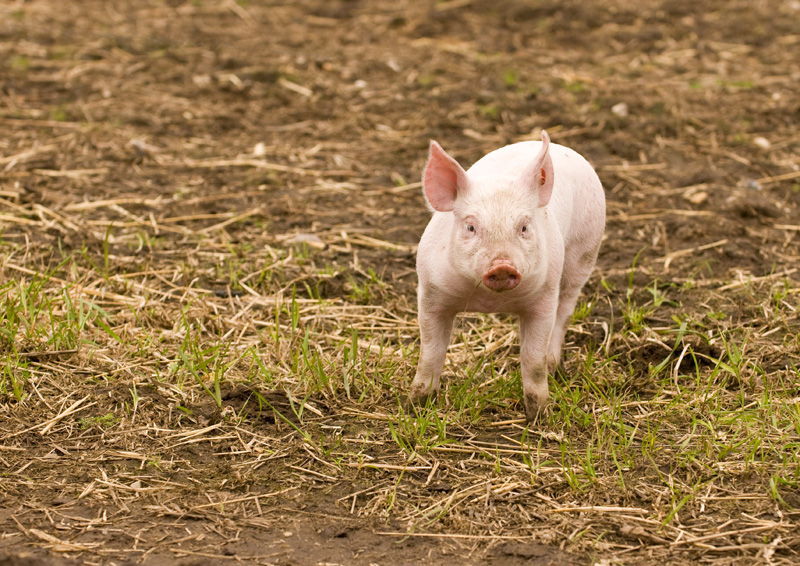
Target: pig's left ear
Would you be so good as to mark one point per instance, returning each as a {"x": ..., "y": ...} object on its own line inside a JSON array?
[
  {"x": 443, "y": 179},
  {"x": 539, "y": 173}
]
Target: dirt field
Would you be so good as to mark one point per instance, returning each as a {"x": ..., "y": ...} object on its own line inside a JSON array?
[{"x": 209, "y": 212}]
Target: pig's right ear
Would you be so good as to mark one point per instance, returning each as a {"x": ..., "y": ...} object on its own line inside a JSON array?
[
  {"x": 443, "y": 179},
  {"x": 538, "y": 175}
]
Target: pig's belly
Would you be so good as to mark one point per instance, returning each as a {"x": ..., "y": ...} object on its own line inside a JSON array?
[
  {"x": 495, "y": 304},
  {"x": 481, "y": 299}
]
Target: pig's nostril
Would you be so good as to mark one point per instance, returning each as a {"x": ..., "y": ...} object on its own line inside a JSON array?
[{"x": 502, "y": 277}]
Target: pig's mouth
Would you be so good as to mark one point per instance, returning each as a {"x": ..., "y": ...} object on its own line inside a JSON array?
[{"x": 501, "y": 276}]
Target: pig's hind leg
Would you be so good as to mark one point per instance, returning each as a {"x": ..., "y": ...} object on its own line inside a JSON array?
[{"x": 577, "y": 268}]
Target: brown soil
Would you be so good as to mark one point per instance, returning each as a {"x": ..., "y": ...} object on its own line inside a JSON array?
[{"x": 313, "y": 117}]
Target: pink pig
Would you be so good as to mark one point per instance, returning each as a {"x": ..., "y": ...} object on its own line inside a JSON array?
[{"x": 518, "y": 232}]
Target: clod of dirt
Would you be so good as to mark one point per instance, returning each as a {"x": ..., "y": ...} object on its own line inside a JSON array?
[
  {"x": 641, "y": 359},
  {"x": 638, "y": 533},
  {"x": 258, "y": 404},
  {"x": 704, "y": 353},
  {"x": 752, "y": 207},
  {"x": 536, "y": 554},
  {"x": 791, "y": 497},
  {"x": 27, "y": 559},
  {"x": 337, "y": 531},
  {"x": 440, "y": 486}
]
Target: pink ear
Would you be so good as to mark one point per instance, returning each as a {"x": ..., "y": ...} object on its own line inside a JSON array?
[
  {"x": 443, "y": 179},
  {"x": 539, "y": 174}
]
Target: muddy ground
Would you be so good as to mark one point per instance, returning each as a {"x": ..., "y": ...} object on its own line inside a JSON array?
[{"x": 172, "y": 148}]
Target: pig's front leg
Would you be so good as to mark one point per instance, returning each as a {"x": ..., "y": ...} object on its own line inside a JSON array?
[
  {"x": 535, "y": 332},
  {"x": 435, "y": 328}
]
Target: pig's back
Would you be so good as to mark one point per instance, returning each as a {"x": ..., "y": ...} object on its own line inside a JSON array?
[{"x": 578, "y": 200}]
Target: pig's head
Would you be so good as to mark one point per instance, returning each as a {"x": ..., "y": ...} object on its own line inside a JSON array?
[{"x": 498, "y": 230}]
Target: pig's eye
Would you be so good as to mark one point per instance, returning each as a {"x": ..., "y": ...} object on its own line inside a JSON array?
[
  {"x": 524, "y": 229},
  {"x": 470, "y": 228}
]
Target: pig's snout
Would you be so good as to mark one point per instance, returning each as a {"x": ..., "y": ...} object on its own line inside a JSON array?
[{"x": 501, "y": 276}]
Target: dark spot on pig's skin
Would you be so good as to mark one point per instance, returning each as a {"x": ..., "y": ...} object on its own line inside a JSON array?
[
  {"x": 554, "y": 366},
  {"x": 588, "y": 258}
]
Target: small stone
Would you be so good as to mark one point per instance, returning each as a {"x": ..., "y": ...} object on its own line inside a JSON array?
[
  {"x": 751, "y": 184},
  {"x": 762, "y": 143},
  {"x": 311, "y": 239},
  {"x": 695, "y": 195},
  {"x": 201, "y": 81},
  {"x": 697, "y": 198},
  {"x": 620, "y": 109}
]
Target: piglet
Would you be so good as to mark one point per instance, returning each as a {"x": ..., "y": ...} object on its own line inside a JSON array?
[{"x": 518, "y": 232}]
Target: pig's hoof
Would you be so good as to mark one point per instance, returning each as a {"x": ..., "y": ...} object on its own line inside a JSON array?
[
  {"x": 418, "y": 397},
  {"x": 534, "y": 407}
]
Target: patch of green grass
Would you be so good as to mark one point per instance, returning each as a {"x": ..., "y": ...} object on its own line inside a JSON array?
[
  {"x": 490, "y": 111},
  {"x": 418, "y": 429},
  {"x": 155, "y": 462},
  {"x": 636, "y": 314},
  {"x": 102, "y": 421},
  {"x": 741, "y": 138},
  {"x": 744, "y": 84},
  {"x": 60, "y": 114},
  {"x": 15, "y": 375},
  {"x": 59, "y": 53},
  {"x": 368, "y": 290},
  {"x": 477, "y": 389},
  {"x": 575, "y": 87},
  {"x": 39, "y": 315},
  {"x": 207, "y": 362},
  {"x": 426, "y": 80},
  {"x": 20, "y": 63},
  {"x": 582, "y": 310}
]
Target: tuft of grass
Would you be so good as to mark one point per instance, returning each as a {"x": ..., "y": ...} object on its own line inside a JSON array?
[
  {"x": 38, "y": 318},
  {"x": 20, "y": 63},
  {"x": 510, "y": 78},
  {"x": 102, "y": 421},
  {"x": 419, "y": 429},
  {"x": 206, "y": 363},
  {"x": 575, "y": 87}
]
